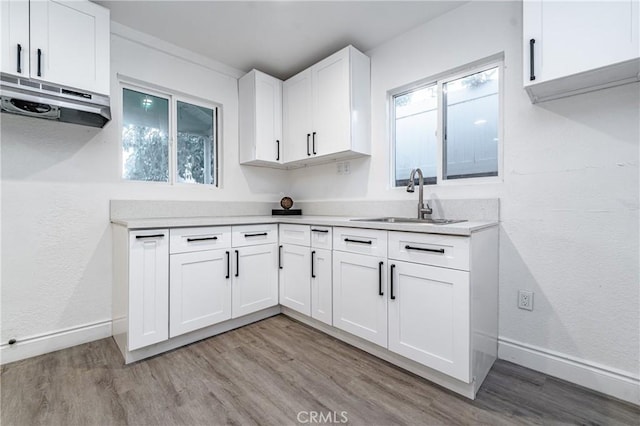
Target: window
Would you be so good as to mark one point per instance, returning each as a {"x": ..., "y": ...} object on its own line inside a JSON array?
[
  {"x": 155, "y": 148},
  {"x": 449, "y": 127}
]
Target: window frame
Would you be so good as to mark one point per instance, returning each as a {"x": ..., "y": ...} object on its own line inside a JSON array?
[
  {"x": 496, "y": 61},
  {"x": 173, "y": 97}
]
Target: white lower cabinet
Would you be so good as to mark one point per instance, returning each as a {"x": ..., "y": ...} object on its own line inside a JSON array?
[
  {"x": 295, "y": 275},
  {"x": 359, "y": 295},
  {"x": 200, "y": 290},
  {"x": 321, "y": 285},
  {"x": 255, "y": 279},
  {"x": 429, "y": 316},
  {"x": 148, "y": 288}
]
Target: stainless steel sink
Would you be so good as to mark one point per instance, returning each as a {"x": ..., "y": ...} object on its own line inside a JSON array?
[{"x": 409, "y": 220}]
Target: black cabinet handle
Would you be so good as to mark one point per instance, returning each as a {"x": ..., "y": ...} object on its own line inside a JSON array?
[
  {"x": 313, "y": 143},
  {"x": 313, "y": 254},
  {"x": 39, "y": 63},
  {"x": 308, "y": 136},
  {"x": 380, "y": 292},
  {"x": 280, "y": 257},
  {"x": 261, "y": 234},
  {"x": 441, "y": 251},
  {"x": 324, "y": 231},
  {"x": 228, "y": 264},
  {"x": 237, "y": 263},
  {"x": 532, "y": 75},
  {"x": 140, "y": 237},
  {"x": 391, "y": 295},
  {"x": 190, "y": 240},
  {"x": 357, "y": 241},
  {"x": 19, "y": 69},
  {"x": 278, "y": 154}
]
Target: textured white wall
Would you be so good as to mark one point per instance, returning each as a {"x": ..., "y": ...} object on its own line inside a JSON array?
[
  {"x": 569, "y": 200},
  {"x": 57, "y": 180}
]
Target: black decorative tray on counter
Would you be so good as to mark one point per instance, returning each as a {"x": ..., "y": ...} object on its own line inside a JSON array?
[{"x": 289, "y": 212}]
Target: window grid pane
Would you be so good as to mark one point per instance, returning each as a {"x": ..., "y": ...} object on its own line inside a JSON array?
[
  {"x": 415, "y": 125},
  {"x": 196, "y": 144},
  {"x": 470, "y": 118},
  {"x": 145, "y": 137}
]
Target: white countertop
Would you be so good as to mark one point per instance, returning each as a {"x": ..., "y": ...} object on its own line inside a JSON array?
[{"x": 461, "y": 228}]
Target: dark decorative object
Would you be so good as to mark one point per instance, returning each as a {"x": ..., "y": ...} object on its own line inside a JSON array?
[{"x": 286, "y": 203}]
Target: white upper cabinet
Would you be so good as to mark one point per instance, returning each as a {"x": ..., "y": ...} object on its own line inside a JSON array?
[
  {"x": 260, "y": 116},
  {"x": 297, "y": 109},
  {"x": 60, "y": 42},
  {"x": 326, "y": 109},
  {"x": 576, "y": 47}
]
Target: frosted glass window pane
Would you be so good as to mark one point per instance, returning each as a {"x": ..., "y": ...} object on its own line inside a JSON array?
[
  {"x": 416, "y": 115},
  {"x": 145, "y": 139},
  {"x": 471, "y": 125},
  {"x": 197, "y": 155}
]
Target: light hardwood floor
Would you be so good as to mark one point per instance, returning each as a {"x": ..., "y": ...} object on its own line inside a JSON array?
[{"x": 268, "y": 372}]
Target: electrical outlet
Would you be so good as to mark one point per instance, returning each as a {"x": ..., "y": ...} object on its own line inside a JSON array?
[
  {"x": 340, "y": 168},
  {"x": 525, "y": 300},
  {"x": 346, "y": 168}
]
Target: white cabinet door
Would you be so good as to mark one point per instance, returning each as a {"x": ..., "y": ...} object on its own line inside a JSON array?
[
  {"x": 268, "y": 118},
  {"x": 429, "y": 317},
  {"x": 200, "y": 290},
  {"x": 70, "y": 44},
  {"x": 295, "y": 275},
  {"x": 297, "y": 110},
  {"x": 148, "y": 287},
  {"x": 331, "y": 105},
  {"x": 255, "y": 280},
  {"x": 359, "y": 296},
  {"x": 321, "y": 282},
  {"x": 573, "y": 37},
  {"x": 14, "y": 33},
  {"x": 260, "y": 119}
]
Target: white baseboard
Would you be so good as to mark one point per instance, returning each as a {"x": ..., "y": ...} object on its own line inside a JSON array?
[
  {"x": 616, "y": 383},
  {"x": 54, "y": 341}
]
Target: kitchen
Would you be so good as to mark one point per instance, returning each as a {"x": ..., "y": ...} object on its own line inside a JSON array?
[{"x": 567, "y": 191}]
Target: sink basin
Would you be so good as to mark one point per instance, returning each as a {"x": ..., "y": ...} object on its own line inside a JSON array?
[{"x": 410, "y": 220}]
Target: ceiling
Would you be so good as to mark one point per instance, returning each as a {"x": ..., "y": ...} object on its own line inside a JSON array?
[{"x": 280, "y": 38}]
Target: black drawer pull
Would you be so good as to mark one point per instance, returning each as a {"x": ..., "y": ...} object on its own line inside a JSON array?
[
  {"x": 441, "y": 251},
  {"x": 313, "y": 143},
  {"x": 228, "y": 264},
  {"x": 349, "y": 240},
  {"x": 19, "y": 69},
  {"x": 262, "y": 234},
  {"x": 237, "y": 263},
  {"x": 532, "y": 75},
  {"x": 313, "y": 274},
  {"x": 280, "y": 257},
  {"x": 139, "y": 237},
  {"x": 324, "y": 231},
  {"x": 380, "y": 292},
  {"x": 39, "y": 63},
  {"x": 391, "y": 295},
  {"x": 189, "y": 240}
]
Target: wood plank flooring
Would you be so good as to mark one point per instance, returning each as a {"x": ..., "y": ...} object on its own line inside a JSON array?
[{"x": 268, "y": 372}]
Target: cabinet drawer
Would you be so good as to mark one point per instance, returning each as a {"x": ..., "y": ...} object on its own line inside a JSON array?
[
  {"x": 321, "y": 237},
  {"x": 295, "y": 234},
  {"x": 431, "y": 249},
  {"x": 184, "y": 240},
  {"x": 251, "y": 235},
  {"x": 365, "y": 241}
]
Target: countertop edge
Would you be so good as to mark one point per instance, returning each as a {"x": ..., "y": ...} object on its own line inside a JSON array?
[{"x": 461, "y": 228}]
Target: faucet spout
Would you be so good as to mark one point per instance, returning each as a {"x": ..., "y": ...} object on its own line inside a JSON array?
[{"x": 422, "y": 210}]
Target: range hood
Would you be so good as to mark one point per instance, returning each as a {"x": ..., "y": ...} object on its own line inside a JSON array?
[{"x": 42, "y": 100}]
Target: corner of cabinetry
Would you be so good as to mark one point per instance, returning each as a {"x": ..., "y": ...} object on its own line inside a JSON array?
[{"x": 360, "y": 102}]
